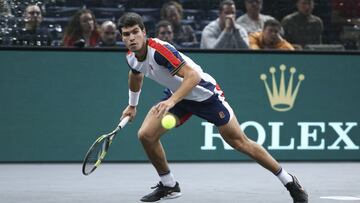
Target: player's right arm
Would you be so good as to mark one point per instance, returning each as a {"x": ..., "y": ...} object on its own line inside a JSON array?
[{"x": 135, "y": 84}]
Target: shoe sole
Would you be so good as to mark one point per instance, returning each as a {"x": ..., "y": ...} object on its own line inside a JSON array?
[{"x": 173, "y": 195}]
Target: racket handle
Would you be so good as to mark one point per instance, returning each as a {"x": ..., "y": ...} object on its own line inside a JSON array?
[{"x": 124, "y": 121}]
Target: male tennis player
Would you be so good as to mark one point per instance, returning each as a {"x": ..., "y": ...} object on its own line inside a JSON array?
[{"x": 189, "y": 91}]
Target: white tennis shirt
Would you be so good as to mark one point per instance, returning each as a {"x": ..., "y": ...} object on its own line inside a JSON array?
[{"x": 161, "y": 64}]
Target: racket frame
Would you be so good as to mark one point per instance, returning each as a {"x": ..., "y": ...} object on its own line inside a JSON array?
[{"x": 109, "y": 137}]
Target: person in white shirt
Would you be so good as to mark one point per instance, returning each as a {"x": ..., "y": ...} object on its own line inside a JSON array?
[
  {"x": 189, "y": 91},
  {"x": 253, "y": 20},
  {"x": 224, "y": 33}
]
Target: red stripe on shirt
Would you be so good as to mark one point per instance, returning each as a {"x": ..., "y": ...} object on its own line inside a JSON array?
[
  {"x": 219, "y": 89},
  {"x": 165, "y": 52}
]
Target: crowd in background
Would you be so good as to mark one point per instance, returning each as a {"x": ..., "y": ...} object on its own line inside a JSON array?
[{"x": 206, "y": 24}]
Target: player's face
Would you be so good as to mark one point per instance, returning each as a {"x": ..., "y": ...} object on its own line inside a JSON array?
[{"x": 133, "y": 37}]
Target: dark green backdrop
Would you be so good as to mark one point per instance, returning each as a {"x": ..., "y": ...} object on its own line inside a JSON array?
[{"x": 53, "y": 104}]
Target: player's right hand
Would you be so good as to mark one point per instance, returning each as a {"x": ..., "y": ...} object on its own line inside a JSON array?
[{"x": 129, "y": 111}]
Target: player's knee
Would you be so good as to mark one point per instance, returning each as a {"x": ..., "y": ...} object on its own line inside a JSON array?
[
  {"x": 240, "y": 144},
  {"x": 145, "y": 136}
]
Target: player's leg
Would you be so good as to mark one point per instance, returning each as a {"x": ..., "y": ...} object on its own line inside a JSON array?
[
  {"x": 235, "y": 137},
  {"x": 217, "y": 111},
  {"x": 149, "y": 134},
  {"x": 232, "y": 134}
]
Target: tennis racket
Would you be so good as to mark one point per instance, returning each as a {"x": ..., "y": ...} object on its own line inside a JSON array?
[{"x": 99, "y": 148}]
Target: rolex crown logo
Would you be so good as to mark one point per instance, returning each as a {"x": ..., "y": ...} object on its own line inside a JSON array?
[{"x": 282, "y": 98}]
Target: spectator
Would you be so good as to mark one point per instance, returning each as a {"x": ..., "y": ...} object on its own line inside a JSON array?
[
  {"x": 301, "y": 27},
  {"x": 32, "y": 34},
  {"x": 253, "y": 20},
  {"x": 108, "y": 35},
  {"x": 345, "y": 23},
  {"x": 82, "y": 30},
  {"x": 4, "y": 8},
  {"x": 173, "y": 12},
  {"x": 224, "y": 33},
  {"x": 269, "y": 38},
  {"x": 164, "y": 32}
]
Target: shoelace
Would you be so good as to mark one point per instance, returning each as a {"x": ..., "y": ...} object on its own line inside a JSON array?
[{"x": 156, "y": 186}]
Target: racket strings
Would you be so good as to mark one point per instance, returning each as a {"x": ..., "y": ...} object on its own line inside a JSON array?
[{"x": 96, "y": 155}]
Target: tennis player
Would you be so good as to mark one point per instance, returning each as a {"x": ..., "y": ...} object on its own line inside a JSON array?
[{"x": 189, "y": 91}]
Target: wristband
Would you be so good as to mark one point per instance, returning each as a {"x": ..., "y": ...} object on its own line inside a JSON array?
[{"x": 134, "y": 98}]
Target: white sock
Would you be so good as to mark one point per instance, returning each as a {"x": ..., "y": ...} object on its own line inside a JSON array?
[
  {"x": 284, "y": 176},
  {"x": 168, "y": 179}
]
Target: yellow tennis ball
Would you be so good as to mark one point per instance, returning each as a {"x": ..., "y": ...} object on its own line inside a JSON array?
[{"x": 168, "y": 121}]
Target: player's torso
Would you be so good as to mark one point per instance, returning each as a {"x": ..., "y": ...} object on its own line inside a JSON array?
[{"x": 151, "y": 69}]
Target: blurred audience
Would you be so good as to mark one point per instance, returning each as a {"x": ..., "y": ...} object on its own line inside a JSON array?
[
  {"x": 253, "y": 20},
  {"x": 224, "y": 33},
  {"x": 108, "y": 35},
  {"x": 32, "y": 34},
  {"x": 270, "y": 37},
  {"x": 4, "y": 8},
  {"x": 164, "y": 31},
  {"x": 82, "y": 30},
  {"x": 172, "y": 11},
  {"x": 346, "y": 22},
  {"x": 337, "y": 22},
  {"x": 302, "y": 27}
]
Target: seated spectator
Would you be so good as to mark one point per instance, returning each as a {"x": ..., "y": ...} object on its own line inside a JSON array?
[
  {"x": 269, "y": 38},
  {"x": 253, "y": 20},
  {"x": 4, "y": 8},
  {"x": 108, "y": 35},
  {"x": 301, "y": 27},
  {"x": 164, "y": 32},
  {"x": 82, "y": 30},
  {"x": 172, "y": 11},
  {"x": 32, "y": 34},
  {"x": 224, "y": 33},
  {"x": 345, "y": 23}
]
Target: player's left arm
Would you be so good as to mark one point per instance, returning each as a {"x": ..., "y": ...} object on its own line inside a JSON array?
[{"x": 191, "y": 78}]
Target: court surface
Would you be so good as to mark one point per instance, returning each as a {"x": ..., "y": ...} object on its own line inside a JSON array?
[{"x": 200, "y": 183}]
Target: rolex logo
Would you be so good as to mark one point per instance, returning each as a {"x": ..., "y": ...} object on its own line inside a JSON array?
[{"x": 282, "y": 98}]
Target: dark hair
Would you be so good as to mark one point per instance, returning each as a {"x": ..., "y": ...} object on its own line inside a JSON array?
[
  {"x": 73, "y": 29},
  {"x": 225, "y": 2},
  {"x": 164, "y": 8},
  {"x": 162, "y": 23},
  {"x": 130, "y": 19},
  {"x": 272, "y": 23}
]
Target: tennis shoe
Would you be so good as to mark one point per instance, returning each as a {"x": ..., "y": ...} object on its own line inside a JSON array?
[
  {"x": 297, "y": 192},
  {"x": 162, "y": 192}
]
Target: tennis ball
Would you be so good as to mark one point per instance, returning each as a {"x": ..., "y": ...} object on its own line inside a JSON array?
[{"x": 168, "y": 121}]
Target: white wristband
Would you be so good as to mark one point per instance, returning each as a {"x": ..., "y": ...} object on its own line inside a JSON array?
[{"x": 134, "y": 98}]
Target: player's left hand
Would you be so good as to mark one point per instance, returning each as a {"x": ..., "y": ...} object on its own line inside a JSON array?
[{"x": 163, "y": 107}]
